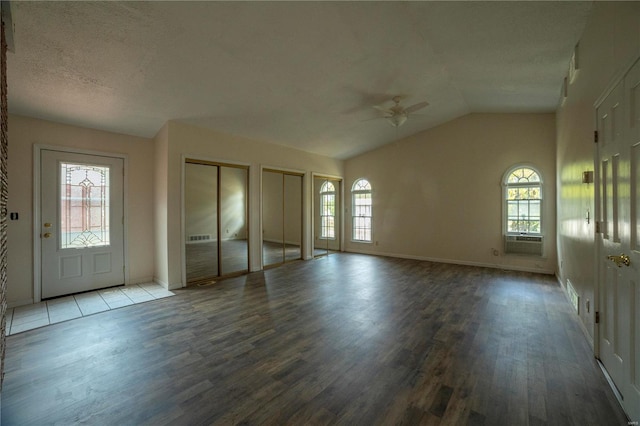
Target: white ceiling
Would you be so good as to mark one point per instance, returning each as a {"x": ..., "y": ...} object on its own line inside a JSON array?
[{"x": 302, "y": 74}]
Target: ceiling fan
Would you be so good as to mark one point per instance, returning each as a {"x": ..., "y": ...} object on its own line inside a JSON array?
[{"x": 396, "y": 115}]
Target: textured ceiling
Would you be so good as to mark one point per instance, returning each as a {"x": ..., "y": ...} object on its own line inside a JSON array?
[{"x": 302, "y": 74}]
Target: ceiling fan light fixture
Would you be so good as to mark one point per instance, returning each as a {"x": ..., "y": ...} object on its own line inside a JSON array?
[{"x": 397, "y": 120}]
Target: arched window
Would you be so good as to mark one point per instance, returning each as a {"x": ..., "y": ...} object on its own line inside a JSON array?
[
  {"x": 523, "y": 201},
  {"x": 328, "y": 211},
  {"x": 361, "y": 210}
]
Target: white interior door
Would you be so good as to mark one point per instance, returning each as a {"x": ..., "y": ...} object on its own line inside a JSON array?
[
  {"x": 618, "y": 243},
  {"x": 81, "y": 219}
]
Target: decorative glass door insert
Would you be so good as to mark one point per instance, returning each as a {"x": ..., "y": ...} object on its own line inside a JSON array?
[{"x": 84, "y": 206}]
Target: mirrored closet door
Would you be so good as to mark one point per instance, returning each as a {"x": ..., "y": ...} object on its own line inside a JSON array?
[
  {"x": 216, "y": 224},
  {"x": 281, "y": 217},
  {"x": 326, "y": 215}
]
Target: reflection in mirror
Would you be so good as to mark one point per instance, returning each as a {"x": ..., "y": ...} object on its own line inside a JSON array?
[
  {"x": 326, "y": 215},
  {"x": 233, "y": 220},
  {"x": 293, "y": 217},
  {"x": 281, "y": 217},
  {"x": 201, "y": 221},
  {"x": 272, "y": 218}
]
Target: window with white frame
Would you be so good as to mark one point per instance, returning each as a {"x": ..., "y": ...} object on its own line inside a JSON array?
[
  {"x": 523, "y": 201},
  {"x": 328, "y": 211},
  {"x": 361, "y": 210}
]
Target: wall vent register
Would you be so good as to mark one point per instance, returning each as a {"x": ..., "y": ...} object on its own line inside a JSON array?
[{"x": 199, "y": 238}]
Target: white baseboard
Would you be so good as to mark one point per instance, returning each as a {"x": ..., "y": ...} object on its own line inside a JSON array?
[
  {"x": 166, "y": 285},
  {"x": 141, "y": 280},
  {"x": 16, "y": 303},
  {"x": 456, "y": 262},
  {"x": 583, "y": 327},
  {"x": 160, "y": 282}
]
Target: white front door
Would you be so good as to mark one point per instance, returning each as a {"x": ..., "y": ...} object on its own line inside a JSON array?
[
  {"x": 81, "y": 220},
  {"x": 619, "y": 238}
]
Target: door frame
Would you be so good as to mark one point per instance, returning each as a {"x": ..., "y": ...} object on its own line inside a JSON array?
[{"x": 37, "y": 246}]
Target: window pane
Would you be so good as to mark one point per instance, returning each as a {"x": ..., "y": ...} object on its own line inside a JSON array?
[
  {"x": 362, "y": 228},
  {"x": 84, "y": 206},
  {"x": 523, "y": 201},
  {"x": 523, "y": 209},
  {"x": 328, "y": 230},
  {"x": 534, "y": 209},
  {"x": 523, "y": 175},
  {"x": 361, "y": 185},
  {"x": 362, "y": 210}
]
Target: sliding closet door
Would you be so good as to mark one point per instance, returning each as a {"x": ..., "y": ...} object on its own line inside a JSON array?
[
  {"x": 281, "y": 217},
  {"x": 272, "y": 218},
  {"x": 292, "y": 217},
  {"x": 201, "y": 221},
  {"x": 216, "y": 225},
  {"x": 234, "y": 231}
]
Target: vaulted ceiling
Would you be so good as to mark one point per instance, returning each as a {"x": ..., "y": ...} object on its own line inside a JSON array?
[{"x": 302, "y": 74}]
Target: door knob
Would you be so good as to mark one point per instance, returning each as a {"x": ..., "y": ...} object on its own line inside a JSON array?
[
  {"x": 46, "y": 235},
  {"x": 623, "y": 259},
  {"x": 47, "y": 225}
]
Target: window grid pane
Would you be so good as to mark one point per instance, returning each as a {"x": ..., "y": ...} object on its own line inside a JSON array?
[
  {"x": 327, "y": 212},
  {"x": 361, "y": 211},
  {"x": 524, "y": 200}
]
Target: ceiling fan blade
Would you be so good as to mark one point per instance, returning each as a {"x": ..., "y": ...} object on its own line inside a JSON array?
[
  {"x": 383, "y": 109},
  {"x": 416, "y": 107},
  {"x": 373, "y": 118}
]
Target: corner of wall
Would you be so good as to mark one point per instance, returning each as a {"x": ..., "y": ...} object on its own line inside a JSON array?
[{"x": 161, "y": 152}]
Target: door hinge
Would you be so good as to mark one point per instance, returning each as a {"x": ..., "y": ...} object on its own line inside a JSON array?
[
  {"x": 597, "y": 317},
  {"x": 595, "y": 136}
]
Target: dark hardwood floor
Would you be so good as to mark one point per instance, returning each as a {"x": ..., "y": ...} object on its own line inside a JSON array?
[
  {"x": 344, "y": 339},
  {"x": 202, "y": 259}
]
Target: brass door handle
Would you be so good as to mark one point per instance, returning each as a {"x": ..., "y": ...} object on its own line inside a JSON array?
[
  {"x": 46, "y": 235},
  {"x": 623, "y": 259}
]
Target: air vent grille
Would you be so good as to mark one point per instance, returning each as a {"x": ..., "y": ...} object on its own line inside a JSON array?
[
  {"x": 530, "y": 245},
  {"x": 199, "y": 238}
]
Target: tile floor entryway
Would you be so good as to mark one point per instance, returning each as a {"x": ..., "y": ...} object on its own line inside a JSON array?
[{"x": 28, "y": 317}]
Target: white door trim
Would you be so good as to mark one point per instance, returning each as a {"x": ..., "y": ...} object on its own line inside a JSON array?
[{"x": 37, "y": 248}]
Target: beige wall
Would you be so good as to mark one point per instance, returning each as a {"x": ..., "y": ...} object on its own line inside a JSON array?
[
  {"x": 293, "y": 209},
  {"x": 437, "y": 195},
  {"x": 272, "y": 207},
  {"x": 23, "y": 134},
  {"x": 610, "y": 42},
  {"x": 160, "y": 185},
  {"x": 233, "y": 203},
  {"x": 201, "y": 200}
]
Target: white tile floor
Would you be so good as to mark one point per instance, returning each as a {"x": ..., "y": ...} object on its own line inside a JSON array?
[{"x": 28, "y": 317}]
